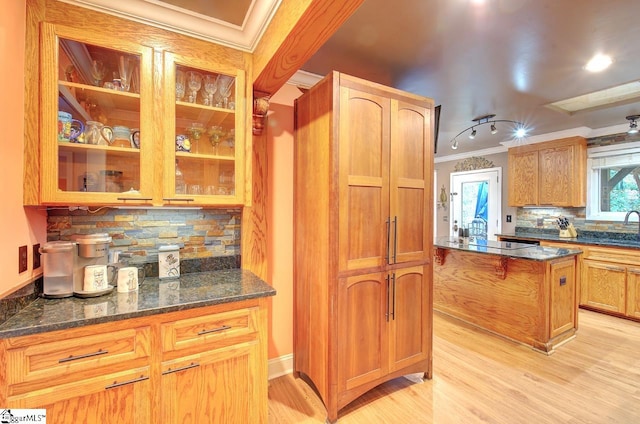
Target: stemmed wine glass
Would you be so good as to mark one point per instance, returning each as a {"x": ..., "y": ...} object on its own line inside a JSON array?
[
  {"x": 210, "y": 87},
  {"x": 215, "y": 137},
  {"x": 194, "y": 82},
  {"x": 180, "y": 84},
  {"x": 224, "y": 88},
  {"x": 97, "y": 72},
  {"x": 195, "y": 131}
]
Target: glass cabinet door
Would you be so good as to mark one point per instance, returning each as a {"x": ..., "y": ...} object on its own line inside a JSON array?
[
  {"x": 207, "y": 140},
  {"x": 93, "y": 136}
]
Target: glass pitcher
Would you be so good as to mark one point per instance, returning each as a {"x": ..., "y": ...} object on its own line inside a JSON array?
[{"x": 93, "y": 133}]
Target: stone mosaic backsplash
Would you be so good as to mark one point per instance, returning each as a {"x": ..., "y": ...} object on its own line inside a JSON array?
[
  {"x": 545, "y": 219},
  {"x": 209, "y": 240}
]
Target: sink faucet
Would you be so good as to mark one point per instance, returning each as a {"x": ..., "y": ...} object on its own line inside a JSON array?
[{"x": 626, "y": 221}]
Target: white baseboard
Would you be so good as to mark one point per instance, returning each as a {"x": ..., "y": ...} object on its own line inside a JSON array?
[{"x": 280, "y": 366}]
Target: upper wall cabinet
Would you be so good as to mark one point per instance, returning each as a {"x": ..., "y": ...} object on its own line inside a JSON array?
[
  {"x": 549, "y": 174},
  {"x": 123, "y": 121}
]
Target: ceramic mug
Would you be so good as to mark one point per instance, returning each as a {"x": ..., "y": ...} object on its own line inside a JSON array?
[
  {"x": 129, "y": 278},
  {"x": 69, "y": 129},
  {"x": 96, "y": 277},
  {"x": 121, "y": 137},
  {"x": 135, "y": 138}
]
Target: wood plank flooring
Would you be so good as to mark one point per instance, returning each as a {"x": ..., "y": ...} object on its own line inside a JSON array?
[{"x": 482, "y": 378}]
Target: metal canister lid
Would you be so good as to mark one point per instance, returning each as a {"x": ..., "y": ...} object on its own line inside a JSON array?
[
  {"x": 57, "y": 246},
  {"x": 96, "y": 238}
]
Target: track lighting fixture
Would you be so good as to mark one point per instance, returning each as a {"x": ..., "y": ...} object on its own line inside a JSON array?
[
  {"x": 633, "y": 125},
  {"x": 519, "y": 128}
]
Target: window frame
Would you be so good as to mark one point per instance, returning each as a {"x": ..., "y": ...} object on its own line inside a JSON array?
[{"x": 625, "y": 153}]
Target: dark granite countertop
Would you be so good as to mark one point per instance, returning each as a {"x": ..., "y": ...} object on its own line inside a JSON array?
[
  {"x": 606, "y": 239},
  {"x": 154, "y": 296},
  {"x": 509, "y": 249}
]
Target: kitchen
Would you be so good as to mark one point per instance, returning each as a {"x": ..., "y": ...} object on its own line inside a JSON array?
[{"x": 34, "y": 225}]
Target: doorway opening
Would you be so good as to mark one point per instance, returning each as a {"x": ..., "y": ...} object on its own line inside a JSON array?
[{"x": 476, "y": 202}]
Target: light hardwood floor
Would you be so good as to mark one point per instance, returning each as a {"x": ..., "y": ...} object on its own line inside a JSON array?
[{"x": 483, "y": 378}]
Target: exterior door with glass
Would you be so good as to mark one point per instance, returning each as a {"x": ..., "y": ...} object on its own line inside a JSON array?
[{"x": 476, "y": 200}]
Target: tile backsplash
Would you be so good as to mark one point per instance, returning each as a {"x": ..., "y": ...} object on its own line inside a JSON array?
[
  {"x": 531, "y": 217},
  {"x": 200, "y": 233}
]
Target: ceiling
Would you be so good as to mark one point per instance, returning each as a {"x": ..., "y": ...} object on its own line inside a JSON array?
[{"x": 503, "y": 57}]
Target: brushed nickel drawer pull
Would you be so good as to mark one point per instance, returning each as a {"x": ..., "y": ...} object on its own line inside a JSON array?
[
  {"x": 124, "y": 383},
  {"x": 178, "y": 199},
  {"x": 135, "y": 198},
  {"x": 86, "y": 355},
  {"x": 187, "y": 367},
  {"x": 613, "y": 268},
  {"x": 214, "y": 330}
]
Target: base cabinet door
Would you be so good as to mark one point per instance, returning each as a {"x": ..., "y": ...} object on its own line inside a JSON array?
[
  {"x": 409, "y": 325},
  {"x": 633, "y": 292},
  {"x": 604, "y": 286},
  {"x": 115, "y": 398},
  {"x": 363, "y": 314},
  {"x": 212, "y": 387}
]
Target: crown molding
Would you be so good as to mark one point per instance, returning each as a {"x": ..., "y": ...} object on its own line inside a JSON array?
[
  {"x": 165, "y": 16},
  {"x": 304, "y": 79}
]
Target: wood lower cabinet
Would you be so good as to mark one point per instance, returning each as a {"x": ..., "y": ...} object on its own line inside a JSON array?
[
  {"x": 363, "y": 242},
  {"x": 604, "y": 286},
  {"x": 552, "y": 173},
  {"x": 633, "y": 292},
  {"x": 200, "y": 365}
]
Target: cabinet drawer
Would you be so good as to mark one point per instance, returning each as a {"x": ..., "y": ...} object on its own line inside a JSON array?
[
  {"x": 42, "y": 362},
  {"x": 209, "y": 331},
  {"x": 612, "y": 254}
]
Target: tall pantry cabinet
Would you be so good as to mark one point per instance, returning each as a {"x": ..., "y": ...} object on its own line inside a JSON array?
[{"x": 363, "y": 237}]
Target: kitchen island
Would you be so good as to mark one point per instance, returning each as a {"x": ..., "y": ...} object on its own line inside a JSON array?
[
  {"x": 524, "y": 292},
  {"x": 188, "y": 349}
]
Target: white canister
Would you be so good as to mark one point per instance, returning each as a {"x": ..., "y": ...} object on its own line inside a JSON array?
[{"x": 169, "y": 261}]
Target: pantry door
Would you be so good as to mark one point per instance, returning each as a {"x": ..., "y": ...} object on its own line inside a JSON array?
[{"x": 476, "y": 201}]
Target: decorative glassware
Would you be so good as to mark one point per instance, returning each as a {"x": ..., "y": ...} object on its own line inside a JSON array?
[
  {"x": 194, "y": 82},
  {"x": 195, "y": 131},
  {"x": 224, "y": 83},
  {"x": 180, "y": 84},
  {"x": 125, "y": 68},
  {"x": 215, "y": 137},
  {"x": 98, "y": 72},
  {"x": 210, "y": 88}
]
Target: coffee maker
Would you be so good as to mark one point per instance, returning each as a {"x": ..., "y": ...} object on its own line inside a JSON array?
[{"x": 92, "y": 249}]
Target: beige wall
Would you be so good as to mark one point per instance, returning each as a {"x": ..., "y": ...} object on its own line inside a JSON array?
[
  {"x": 280, "y": 218},
  {"x": 18, "y": 225},
  {"x": 444, "y": 169}
]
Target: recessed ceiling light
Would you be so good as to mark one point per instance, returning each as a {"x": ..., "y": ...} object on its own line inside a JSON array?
[{"x": 598, "y": 63}]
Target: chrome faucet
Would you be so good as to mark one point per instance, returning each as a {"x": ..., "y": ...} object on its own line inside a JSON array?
[{"x": 626, "y": 221}]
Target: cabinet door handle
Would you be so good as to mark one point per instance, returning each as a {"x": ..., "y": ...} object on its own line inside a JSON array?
[
  {"x": 187, "y": 367},
  {"x": 393, "y": 303},
  {"x": 135, "y": 199},
  {"x": 85, "y": 355},
  {"x": 124, "y": 383},
  {"x": 386, "y": 314},
  {"x": 178, "y": 199},
  {"x": 614, "y": 268},
  {"x": 214, "y": 330},
  {"x": 395, "y": 239},
  {"x": 387, "y": 258}
]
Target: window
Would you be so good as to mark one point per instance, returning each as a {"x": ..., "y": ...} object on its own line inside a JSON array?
[{"x": 613, "y": 181}]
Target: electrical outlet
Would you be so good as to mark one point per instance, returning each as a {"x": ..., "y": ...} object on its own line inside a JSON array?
[
  {"x": 508, "y": 218},
  {"x": 540, "y": 222},
  {"x": 36, "y": 256},
  {"x": 23, "y": 263}
]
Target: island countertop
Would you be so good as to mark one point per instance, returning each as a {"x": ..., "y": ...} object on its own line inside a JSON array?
[
  {"x": 508, "y": 249},
  {"x": 154, "y": 296}
]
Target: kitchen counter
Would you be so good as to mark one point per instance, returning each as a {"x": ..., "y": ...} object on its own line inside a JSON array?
[
  {"x": 154, "y": 296},
  {"x": 590, "y": 238},
  {"x": 524, "y": 292},
  {"x": 508, "y": 249}
]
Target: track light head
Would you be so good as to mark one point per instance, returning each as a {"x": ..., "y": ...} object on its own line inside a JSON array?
[
  {"x": 454, "y": 146},
  {"x": 473, "y": 134},
  {"x": 494, "y": 130},
  {"x": 633, "y": 125}
]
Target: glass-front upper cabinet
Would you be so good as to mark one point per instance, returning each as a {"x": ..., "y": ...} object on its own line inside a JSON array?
[
  {"x": 205, "y": 104},
  {"x": 97, "y": 145}
]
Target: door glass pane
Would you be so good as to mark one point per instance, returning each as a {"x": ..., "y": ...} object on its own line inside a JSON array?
[
  {"x": 205, "y": 132},
  {"x": 98, "y": 119},
  {"x": 475, "y": 207}
]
